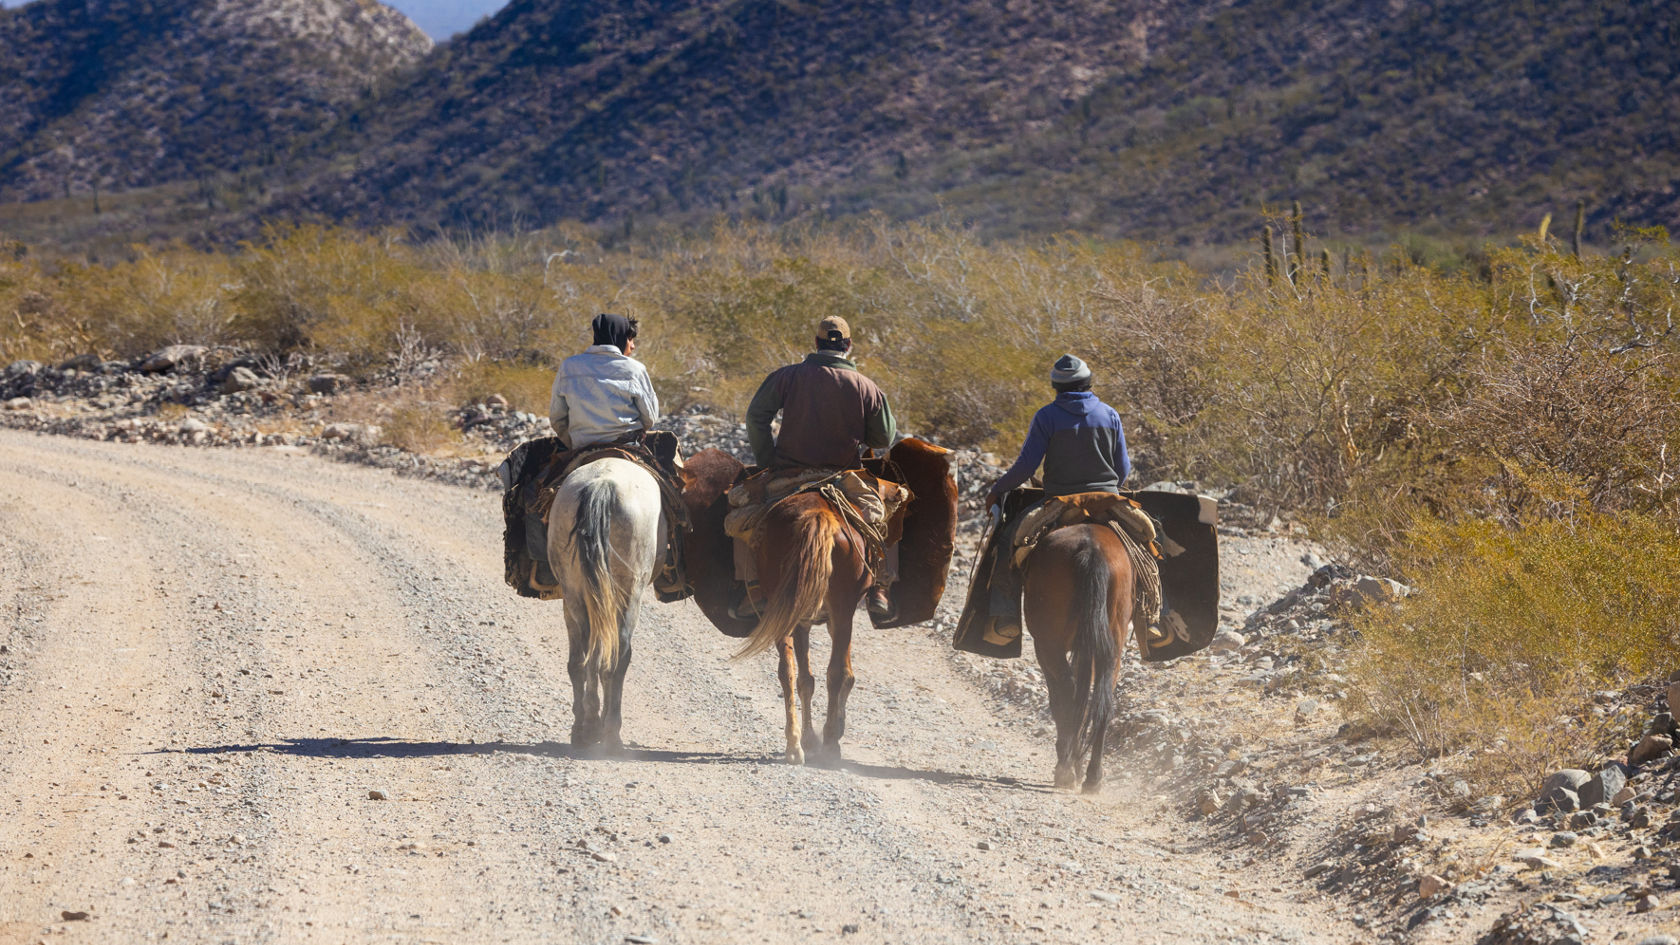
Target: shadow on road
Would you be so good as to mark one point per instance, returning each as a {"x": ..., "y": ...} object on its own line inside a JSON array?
[{"x": 383, "y": 747}]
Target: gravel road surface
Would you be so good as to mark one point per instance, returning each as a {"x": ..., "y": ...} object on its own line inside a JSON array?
[{"x": 248, "y": 695}]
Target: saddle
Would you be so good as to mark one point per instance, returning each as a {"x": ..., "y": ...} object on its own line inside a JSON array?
[
  {"x": 985, "y": 630},
  {"x": 532, "y": 475},
  {"x": 868, "y": 503}
]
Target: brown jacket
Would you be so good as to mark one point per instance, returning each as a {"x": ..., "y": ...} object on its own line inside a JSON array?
[{"x": 829, "y": 412}]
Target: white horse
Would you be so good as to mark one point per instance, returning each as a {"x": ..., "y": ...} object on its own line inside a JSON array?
[{"x": 605, "y": 534}]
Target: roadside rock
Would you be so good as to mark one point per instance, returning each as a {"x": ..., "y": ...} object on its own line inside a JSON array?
[
  {"x": 170, "y": 358},
  {"x": 1540, "y": 923},
  {"x": 1365, "y": 591},
  {"x": 1535, "y": 860},
  {"x": 1561, "y": 791},
  {"x": 1227, "y": 641},
  {"x": 327, "y": 383},
  {"x": 362, "y": 434},
  {"x": 1431, "y": 886},
  {"x": 240, "y": 379},
  {"x": 19, "y": 403},
  {"x": 1650, "y": 748},
  {"x": 1603, "y": 786}
]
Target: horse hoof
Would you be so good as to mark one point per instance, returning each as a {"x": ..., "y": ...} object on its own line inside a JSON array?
[
  {"x": 1065, "y": 780},
  {"x": 795, "y": 756},
  {"x": 826, "y": 756},
  {"x": 1091, "y": 787}
]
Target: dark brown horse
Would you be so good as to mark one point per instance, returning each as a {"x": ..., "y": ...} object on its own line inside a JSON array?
[
  {"x": 1078, "y": 602},
  {"x": 814, "y": 566}
]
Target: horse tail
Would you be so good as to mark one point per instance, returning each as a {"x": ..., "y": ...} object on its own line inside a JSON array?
[
  {"x": 1095, "y": 651},
  {"x": 803, "y": 584},
  {"x": 603, "y": 600}
]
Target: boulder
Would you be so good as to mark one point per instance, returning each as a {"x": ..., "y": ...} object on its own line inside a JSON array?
[
  {"x": 361, "y": 434},
  {"x": 83, "y": 362},
  {"x": 19, "y": 403},
  {"x": 170, "y": 358},
  {"x": 1661, "y": 724},
  {"x": 327, "y": 383},
  {"x": 240, "y": 379},
  {"x": 23, "y": 368},
  {"x": 1432, "y": 885},
  {"x": 1227, "y": 641},
  {"x": 1603, "y": 786},
  {"x": 1650, "y": 748},
  {"x": 1673, "y": 696},
  {"x": 1535, "y": 860},
  {"x": 1561, "y": 790},
  {"x": 1365, "y": 590}
]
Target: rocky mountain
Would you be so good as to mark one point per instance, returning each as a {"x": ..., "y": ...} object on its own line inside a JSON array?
[
  {"x": 1136, "y": 117},
  {"x": 116, "y": 94}
]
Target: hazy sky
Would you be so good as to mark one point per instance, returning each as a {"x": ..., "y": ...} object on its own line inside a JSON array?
[{"x": 442, "y": 19}]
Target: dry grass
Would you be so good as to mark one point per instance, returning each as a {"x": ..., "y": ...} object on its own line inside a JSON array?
[
  {"x": 1504, "y": 436},
  {"x": 1515, "y": 632}
]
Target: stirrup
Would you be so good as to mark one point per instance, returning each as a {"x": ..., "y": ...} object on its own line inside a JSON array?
[
  {"x": 880, "y": 604},
  {"x": 749, "y": 604}
]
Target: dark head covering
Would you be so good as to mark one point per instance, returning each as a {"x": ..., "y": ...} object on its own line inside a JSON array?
[{"x": 615, "y": 330}]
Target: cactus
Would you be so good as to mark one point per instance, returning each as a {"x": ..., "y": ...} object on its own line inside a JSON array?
[
  {"x": 1324, "y": 264},
  {"x": 1300, "y": 239},
  {"x": 1580, "y": 224},
  {"x": 1271, "y": 260}
]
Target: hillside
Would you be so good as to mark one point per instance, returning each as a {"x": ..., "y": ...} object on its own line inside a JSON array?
[
  {"x": 1139, "y": 118},
  {"x": 117, "y": 94}
]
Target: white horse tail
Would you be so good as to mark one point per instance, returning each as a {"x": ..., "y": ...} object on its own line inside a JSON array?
[{"x": 603, "y": 599}]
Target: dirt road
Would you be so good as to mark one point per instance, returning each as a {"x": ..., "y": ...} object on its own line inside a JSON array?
[{"x": 211, "y": 660}]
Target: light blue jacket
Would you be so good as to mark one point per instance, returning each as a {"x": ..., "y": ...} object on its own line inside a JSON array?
[{"x": 599, "y": 396}]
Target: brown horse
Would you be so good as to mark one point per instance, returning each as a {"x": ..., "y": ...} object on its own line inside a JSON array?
[
  {"x": 1078, "y": 601},
  {"x": 814, "y": 567}
]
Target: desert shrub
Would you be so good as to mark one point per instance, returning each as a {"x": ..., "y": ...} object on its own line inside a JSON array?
[
  {"x": 418, "y": 426},
  {"x": 1514, "y": 631},
  {"x": 343, "y": 294},
  {"x": 526, "y": 387},
  {"x": 160, "y": 297}
]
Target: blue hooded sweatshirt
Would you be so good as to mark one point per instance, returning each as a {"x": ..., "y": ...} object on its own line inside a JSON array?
[{"x": 1079, "y": 440}]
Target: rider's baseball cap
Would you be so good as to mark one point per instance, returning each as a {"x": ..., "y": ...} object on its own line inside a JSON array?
[{"x": 834, "y": 328}]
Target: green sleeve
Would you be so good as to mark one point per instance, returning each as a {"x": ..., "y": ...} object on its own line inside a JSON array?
[
  {"x": 760, "y": 413},
  {"x": 879, "y": 427}
]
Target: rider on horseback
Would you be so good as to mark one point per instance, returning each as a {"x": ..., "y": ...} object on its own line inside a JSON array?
[
  {"x": 603, "y": 394},
  {"x": 1082, "y": 445},
  {"x": 830, "y": 412}
]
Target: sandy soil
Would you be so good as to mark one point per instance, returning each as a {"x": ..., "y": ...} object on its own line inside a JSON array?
[{"x": 213, "y": 659}]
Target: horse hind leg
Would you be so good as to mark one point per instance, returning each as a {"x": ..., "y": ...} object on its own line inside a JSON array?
[
  {"x": 1065, "y": 709},
  {"x": 586, "y": 709},
  {"x": 612, "y": 692},
  {"x": 807, "y": 683},
  {"x": 795, "y": 754},
  {"x": 840, "y": 678}
]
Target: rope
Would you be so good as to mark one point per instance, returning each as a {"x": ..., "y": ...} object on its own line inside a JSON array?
[
  {"x": 1146, "y": 577},
  {"x": 874, "y": 536}
]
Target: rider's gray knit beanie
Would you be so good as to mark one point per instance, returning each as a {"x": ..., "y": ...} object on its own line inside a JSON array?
[{"x": 1068, "y": 369}]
